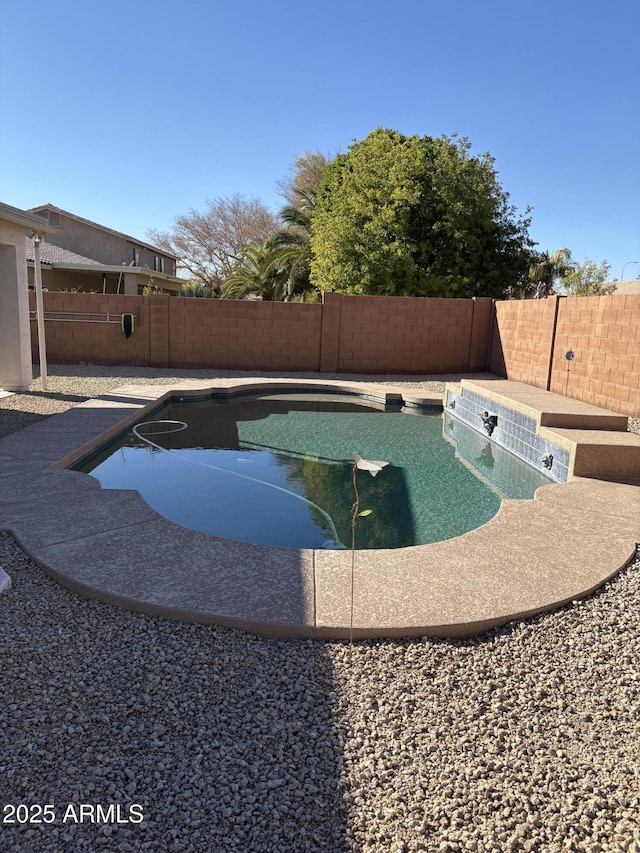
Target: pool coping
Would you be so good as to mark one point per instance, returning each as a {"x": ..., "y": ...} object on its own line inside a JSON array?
[{"x": 531, "y": 557}]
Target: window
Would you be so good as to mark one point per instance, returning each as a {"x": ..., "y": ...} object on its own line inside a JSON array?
[
  {"x": 158, "y": 263},
  {"x": 136, "y": 257}
]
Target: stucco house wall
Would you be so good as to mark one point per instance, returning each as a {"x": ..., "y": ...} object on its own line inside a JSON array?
[
  {"x": 103, "y": 244},
  {"x": 63, "y": 269},
  {"x": 15, "y": 344}
]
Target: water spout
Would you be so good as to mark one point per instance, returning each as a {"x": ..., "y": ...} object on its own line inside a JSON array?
[{"x": 490, "y": 422}]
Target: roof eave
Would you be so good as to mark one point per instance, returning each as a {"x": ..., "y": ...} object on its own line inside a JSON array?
[
  {"x": 30, "y": 221},
  {"x": 105, "y": 268}
]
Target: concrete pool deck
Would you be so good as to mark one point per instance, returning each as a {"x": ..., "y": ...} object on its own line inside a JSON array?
[{"x": 533, "y": 556}]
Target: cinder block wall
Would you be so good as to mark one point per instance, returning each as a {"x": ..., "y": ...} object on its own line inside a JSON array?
[
  {"x": 603, "y": 332},
  {"x": 86, "y": 327},
  {"x": 522, "y": 340},
  {"x": 531, "y": 339},
  {"x": 364, "y": 334},
  {"x": 398, "y": 335},
  {"x": 180, "y": 332},
  {"x": 244, "y": 335}
]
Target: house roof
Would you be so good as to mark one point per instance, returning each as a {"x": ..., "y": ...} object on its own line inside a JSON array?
[
  {"x": 627, "y": 288},
  {"x": 50, "y": 254},
  {"x": 53, "y": 257},
  {"x": 103, "y": 228}
]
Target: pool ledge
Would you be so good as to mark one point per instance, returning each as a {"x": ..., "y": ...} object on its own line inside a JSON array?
[{"x": 533, "y": 556}]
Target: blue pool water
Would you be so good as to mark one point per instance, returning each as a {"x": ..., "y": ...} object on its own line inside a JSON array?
[{"x": 278, "y": 471}]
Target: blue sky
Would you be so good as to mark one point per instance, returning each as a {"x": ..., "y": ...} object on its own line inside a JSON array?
[{"x": 131, "y": 114}]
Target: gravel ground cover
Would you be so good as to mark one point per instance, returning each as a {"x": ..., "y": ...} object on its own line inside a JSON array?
[{"x": 146, "y": 734}]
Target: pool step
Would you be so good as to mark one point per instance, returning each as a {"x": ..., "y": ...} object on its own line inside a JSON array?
[
  {"x": 546, "y": 407},
  {"x": 599, "y": 454}
]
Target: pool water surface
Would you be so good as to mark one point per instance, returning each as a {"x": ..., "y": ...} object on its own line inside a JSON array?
[{"x": 277, "y": 470}]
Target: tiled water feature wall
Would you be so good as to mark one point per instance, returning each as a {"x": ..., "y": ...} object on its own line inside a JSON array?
[{"x": 509, "y": 429}]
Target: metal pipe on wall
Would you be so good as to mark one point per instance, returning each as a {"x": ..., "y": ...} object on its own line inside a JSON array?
[{"x": 42, "y": 346}]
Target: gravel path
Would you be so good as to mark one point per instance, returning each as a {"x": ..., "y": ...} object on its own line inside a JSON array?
[{"x": 524, "y": 739}]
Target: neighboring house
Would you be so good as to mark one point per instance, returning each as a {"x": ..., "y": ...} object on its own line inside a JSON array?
[
  {"x": 627, "y": 288},
  {"x": 86, "y": 257}
]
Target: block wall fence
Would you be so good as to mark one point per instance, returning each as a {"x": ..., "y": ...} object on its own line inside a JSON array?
[
  {"x": 365, "y": 334},
  {"x": 531, "y": 339},
  {"x": 524, "y": 340}
]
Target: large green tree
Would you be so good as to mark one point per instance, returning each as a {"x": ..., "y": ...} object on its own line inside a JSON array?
[{"x": 416, "y": 216}]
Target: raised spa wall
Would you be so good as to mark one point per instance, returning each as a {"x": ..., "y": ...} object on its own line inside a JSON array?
[
  {"x": 513, "y": 430},
  {"x": 559, "y": 436}
]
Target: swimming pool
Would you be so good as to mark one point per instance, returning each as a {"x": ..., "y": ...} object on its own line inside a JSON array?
[{"x": 277, "y": 469}]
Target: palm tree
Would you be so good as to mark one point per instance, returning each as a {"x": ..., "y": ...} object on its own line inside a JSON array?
[
  {"x": 296, "y": 237},
  {"x": 546, "y": 268},
  {"x": 263, "y": 273}
]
